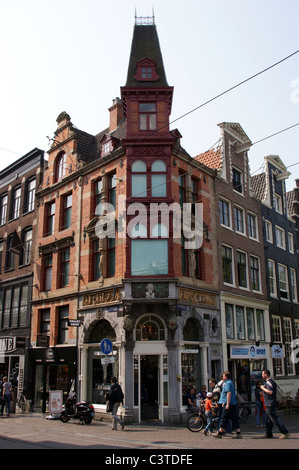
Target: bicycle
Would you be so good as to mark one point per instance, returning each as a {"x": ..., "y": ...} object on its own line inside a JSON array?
[
  {"x": 196, "y": 421},
  {"x": 22, "y": 402}
]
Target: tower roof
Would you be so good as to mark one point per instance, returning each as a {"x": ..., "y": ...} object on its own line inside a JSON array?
[{"x": 145, "y": 44}]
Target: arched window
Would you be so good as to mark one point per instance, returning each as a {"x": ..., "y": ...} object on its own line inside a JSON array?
[
  {"x": 139, "y": 184},
  {"x": 60, "y": 167},
  {"x": 150, "y": 328}
]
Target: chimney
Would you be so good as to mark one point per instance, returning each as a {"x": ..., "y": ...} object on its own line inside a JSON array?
[{"x": 116, "y": 114}]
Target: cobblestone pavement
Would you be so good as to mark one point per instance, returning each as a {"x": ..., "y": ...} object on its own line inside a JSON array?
[{"x": 34, "y": 431}]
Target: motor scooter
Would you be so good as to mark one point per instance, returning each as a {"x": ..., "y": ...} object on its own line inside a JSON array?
[{"x": 83, "y": 410}]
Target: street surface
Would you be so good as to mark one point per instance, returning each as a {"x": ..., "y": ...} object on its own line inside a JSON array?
[{"x": 30, "y": 431}]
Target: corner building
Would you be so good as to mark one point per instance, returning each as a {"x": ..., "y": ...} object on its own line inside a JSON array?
[{"x": 141, "y": 286}]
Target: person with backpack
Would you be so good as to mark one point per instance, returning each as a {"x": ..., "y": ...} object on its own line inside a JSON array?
[
  {"x": 270, "y": 391},
  {"x": 116, "y": 397}
]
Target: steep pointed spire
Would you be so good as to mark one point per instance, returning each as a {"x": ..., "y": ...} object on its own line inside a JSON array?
[{"x": 145, "y": 45}]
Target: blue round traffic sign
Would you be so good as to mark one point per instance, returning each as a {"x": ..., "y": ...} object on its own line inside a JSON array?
[{"x": 106, "y": 346}]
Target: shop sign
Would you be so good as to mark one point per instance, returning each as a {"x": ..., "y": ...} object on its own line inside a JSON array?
[
  {"x": 277, "y": 352},
  {"x": 74, "y": 322},
  {"x": 8, "y": 344},
  {"x": 55, "y": 401},
  {"x": 103, "y": 297},
  {"x": 107, "y": 360},
  {"x": 190, "y": 351},
  {"x": 249, "y": 351},
  {"x": 196, "y": 297}
]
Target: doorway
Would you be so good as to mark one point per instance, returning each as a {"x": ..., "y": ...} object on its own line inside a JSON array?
[{"x": 149, "y": 386}]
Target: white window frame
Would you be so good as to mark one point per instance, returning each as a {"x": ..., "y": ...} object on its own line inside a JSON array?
[
  {"x": 225, "y": 201},
  {"x": 273, "y": 292},
  {"x": 259, "y": 273},
  {"x": 277, "y": 339},
  {"x": 280, "y": 237},
  {"x": 240, "y": 210},
  {"x": 291, "y": 243},
  {"x": 234, "y": 169},
  {"x": 285, "y": 281},
  {"x": 288, "y": 338},
  {"x": 277, "y": 202},
  {"x": 293, "y": 285},
  {"x": 254, "y": 218},
  {"x": 269, "y": 231}
]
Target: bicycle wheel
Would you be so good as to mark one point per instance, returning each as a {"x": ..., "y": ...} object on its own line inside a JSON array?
[
  {"x": 244, "y": 415},
  {"x": 195, "y": 422}
]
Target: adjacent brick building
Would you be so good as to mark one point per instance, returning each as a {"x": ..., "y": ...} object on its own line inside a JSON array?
[
  {"x": 18, "y": 184},
  {"x": 242, "y": 280}
]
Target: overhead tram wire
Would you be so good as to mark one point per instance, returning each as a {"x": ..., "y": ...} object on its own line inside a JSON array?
[
  {"x": 221, "y": 94},
  {"x": 211, "y": 99},
  {"x": 216, "y": 194}
]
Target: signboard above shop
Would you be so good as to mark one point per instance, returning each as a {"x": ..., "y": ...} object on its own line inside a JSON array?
[{"x": 248, "y": 351}]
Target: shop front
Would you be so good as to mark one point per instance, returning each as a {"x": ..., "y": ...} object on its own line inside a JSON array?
[
  {"x": 12, "y": 363},
  {"x": 246, "y": 364},
  {"x": 159, "y": 349},
  {"x": 53, "y": 369}
]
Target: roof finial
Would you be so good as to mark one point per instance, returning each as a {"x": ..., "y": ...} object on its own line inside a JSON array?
[{"x": 144, "y": 20}]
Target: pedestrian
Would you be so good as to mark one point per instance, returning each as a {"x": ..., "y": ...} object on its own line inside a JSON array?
[
  {"x": 6, "y": 396},
  {"x": 202, "y": 395},
  {"x": 259, "y": 405},
  {"x": 116, "y": 396},
  {"x": 229, "y": 408},
  {"x": 208, "y": 414},
  {"x": 192, "y": 401},
  {"x": 270, "y": 391}
]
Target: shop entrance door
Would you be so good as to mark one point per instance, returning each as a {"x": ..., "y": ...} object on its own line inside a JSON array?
[{"x": 149, "y": 386}]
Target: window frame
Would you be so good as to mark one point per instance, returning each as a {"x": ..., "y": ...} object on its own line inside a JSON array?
[
  {"x": 67, "y": 205},
  {"x": 255, "y": 270},
  {"x": 252, "y": 227},
  {"x": 225, "y": 215},
  {"x": 230, "y": 261},
  {"x": 147, "y": 118},
  {"x": 239, "y": 221},
  {"x": 60, "y": 167},
  {"x": 16, "y": 196},
  {"x": 238, "y": 184},
  {"x": 3, "y": 209}
]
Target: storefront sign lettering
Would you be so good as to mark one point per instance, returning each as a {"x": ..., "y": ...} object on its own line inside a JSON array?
[
  {"x": 7, "y": 344},
  {"x": 99, "y": 298},
  {"x": 196, "y": 297},
  {"x": 248, "y": 352}
]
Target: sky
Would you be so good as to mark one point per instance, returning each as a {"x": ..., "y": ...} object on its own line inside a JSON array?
[{"x": 72, "y": 55}]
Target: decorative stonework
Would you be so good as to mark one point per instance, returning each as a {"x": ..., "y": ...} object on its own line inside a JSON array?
[
  {"x": 196, "y": 297},
  {"x": 103, "y": 297}
]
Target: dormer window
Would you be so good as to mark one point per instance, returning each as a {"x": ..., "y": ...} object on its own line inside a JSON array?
[
  {"x": 146, "y": 73},
  {"x": 146, "y": 70},
  {"x": 108, "y": 144},
  {"x": 106, "y": 147}
]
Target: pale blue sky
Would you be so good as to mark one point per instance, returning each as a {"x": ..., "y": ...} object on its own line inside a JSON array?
[{"x": 71, "y": 55}]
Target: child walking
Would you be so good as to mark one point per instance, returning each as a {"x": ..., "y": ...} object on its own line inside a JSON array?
[{"x": 208, "y": 413}]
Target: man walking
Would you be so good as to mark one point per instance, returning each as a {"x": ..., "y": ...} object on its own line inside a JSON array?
[
  {"x": 116, "y": 396},
  {"x": 270, "y": 390},
  {"x": 230, "y": 410}
]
